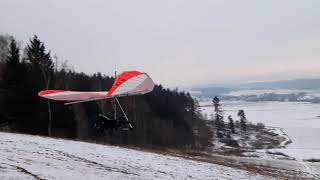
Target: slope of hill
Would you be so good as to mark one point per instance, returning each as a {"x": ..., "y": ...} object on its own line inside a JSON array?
[{"x": 34, "y": 157}]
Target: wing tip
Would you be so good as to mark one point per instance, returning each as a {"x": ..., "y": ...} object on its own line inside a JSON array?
[
  {"x": 42, "y": 93},
  {"x": 47, "y": 92}
]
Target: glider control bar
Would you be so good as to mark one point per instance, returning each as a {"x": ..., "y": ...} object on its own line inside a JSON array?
[{"x": 125, "y": 115}]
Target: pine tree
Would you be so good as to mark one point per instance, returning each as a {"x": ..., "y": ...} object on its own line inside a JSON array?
[
  {"x": 41, "y": 68},
  {"x": 216, "y": 104},
  {"x": 231, "y": 124},
  {"x": 243, "y": 119},
  {"x": 4, "y": 42},
  {"x": 15, "y": 85},
  {"x": 218, "y": 115},
  {"x": 14, "y": 53}
]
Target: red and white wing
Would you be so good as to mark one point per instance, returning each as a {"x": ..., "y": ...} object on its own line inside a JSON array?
[
  {"x": 65, "y": 95},
  {"x": 127, "y": 83}
]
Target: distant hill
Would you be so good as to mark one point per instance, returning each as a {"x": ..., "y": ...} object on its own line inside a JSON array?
[
  {"x": 212, "y": 91},
  {"x": 296, "y": 84},
  {"x": 308, "y": 84}
]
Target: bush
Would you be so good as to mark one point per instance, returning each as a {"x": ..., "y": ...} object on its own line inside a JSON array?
[
  {"x": 260, "y": 126},
  {"x": 230, "y": 142}
]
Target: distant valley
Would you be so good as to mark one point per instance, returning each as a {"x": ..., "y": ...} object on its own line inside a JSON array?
[{"x": 298, "y": 90}]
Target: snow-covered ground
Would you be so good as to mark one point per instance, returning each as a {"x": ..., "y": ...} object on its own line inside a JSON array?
[
  {"x": 34, "y": 157},
  {"x": 301, "y": 121}
]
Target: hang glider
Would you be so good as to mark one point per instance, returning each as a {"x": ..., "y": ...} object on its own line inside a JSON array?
[{"x": 128, "y": 83}]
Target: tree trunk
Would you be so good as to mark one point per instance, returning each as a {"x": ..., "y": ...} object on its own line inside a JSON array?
[
  {"x": 47, "y": 82},
  {"x": 50, "y": 119}
]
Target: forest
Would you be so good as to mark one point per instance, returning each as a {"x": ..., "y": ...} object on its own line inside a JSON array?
[{"x": 164, "y": 117}]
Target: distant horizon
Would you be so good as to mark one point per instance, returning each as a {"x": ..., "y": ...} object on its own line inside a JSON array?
[{"x": 232, "y": 84}]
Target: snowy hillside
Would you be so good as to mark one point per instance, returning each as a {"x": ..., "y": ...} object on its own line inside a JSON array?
[{"x": 34, "y": 157}]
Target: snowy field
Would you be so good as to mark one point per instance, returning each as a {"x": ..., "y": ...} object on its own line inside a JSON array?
[
  {"x": 301, "y": 121},
  {"x": 34, "y": 157}
]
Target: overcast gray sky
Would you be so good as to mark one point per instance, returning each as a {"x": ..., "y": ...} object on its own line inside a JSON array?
[{"x": 178, "y": 42}]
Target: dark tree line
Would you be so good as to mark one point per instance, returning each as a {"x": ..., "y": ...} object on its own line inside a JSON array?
[{"x": 163, "y": 117}]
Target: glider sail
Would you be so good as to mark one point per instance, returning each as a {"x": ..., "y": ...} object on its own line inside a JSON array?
[
  {"x": 127, "y": 83},
  {"x": 65, "y": 95},
  {"x": 131, "y": 83}
]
